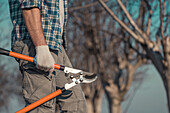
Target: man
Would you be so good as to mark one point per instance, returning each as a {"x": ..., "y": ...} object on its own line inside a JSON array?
[{"x": 39, "y": 31}]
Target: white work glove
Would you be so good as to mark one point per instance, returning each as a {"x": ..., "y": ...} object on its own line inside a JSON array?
[{"x": 44, "y": 60}]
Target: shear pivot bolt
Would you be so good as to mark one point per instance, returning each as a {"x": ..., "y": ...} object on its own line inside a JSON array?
[
  {"x": 81, "y": 79},
  {"x": 71, "y": 76},
  {"x": 76, "y": 82}
]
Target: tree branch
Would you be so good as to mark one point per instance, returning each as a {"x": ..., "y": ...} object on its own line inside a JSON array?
[
  {"x": 131, "y": 71},
  {"x": 131, "y": 20},
  {"x": 86, "y": 6},
  {"x": 137, "y": 38},
  {"x": 149, "y": 18},
  {"x": 161, "y": 17}
]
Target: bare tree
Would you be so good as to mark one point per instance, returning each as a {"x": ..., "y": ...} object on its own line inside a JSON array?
[
  {"x": 156, "y": 46},
  {"x": 96, "y": 44}
]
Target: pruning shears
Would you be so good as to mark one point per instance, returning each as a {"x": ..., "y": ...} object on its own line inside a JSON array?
[{"x": 77, "y": 76}]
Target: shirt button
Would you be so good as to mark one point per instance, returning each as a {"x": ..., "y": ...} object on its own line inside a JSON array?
[{"x": 14, "y": 22}]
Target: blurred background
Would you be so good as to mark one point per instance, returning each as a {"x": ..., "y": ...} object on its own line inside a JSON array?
[{"x": 125, "y": 42}]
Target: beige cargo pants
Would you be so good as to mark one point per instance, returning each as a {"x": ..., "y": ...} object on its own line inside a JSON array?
[{"x": 37, "y": 84}]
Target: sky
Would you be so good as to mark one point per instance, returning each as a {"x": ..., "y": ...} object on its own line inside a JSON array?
[{"x": 149, "y": 98}]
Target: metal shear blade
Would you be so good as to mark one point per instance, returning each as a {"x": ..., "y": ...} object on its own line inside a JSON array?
[{"x": 89, "y": 77}]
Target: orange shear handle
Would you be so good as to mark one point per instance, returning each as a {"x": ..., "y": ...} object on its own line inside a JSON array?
[{"x": 39, "y": 102}]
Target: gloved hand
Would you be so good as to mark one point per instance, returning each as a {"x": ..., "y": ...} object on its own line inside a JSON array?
[{"x": 44, "y": 60}]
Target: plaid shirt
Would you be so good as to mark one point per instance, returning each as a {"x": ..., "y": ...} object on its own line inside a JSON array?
[{"x": 50, "y": 18}]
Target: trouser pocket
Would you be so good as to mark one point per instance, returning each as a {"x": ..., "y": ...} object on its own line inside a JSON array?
[
  {"x": 36, "y": 83},
  {"x": 36, "y": 86}
]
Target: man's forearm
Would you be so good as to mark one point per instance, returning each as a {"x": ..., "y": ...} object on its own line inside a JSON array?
[{"x": 33, "y": 23}]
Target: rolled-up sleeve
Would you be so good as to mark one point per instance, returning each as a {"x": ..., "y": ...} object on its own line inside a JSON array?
[{"x": 30, "y": 4}]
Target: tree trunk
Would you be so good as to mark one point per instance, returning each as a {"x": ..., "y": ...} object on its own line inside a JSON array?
[
  {"x": 164, "y": 72},
  {"x": 89, "y": 106},
  {"x": 116, "y": 106},
  {"x": 113, "y": 97},
  {"x": 166, "y": 82},
  {"x": 98, "y": 101}
]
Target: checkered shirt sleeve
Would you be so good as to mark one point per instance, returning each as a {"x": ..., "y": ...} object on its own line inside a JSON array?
[
  {"x": 30, "y": 3},
  {"x": 49, "y": 10}
]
